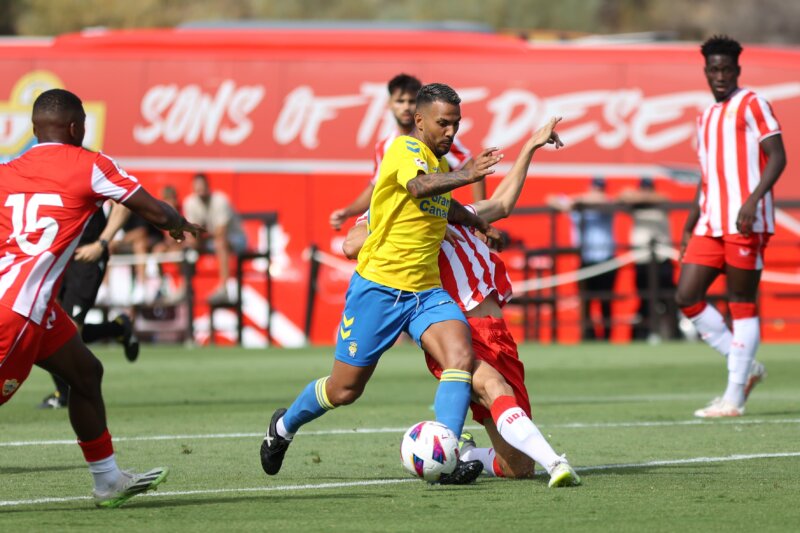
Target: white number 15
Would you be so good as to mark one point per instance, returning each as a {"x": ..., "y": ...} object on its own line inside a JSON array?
[{"x": 24, "y": 221}]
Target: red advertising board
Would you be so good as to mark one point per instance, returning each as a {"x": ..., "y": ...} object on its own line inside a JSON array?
[{"x": 286, "y": 120}]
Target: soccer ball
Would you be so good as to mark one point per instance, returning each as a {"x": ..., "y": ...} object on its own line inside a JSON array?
[{"x": 428, "y": 450}]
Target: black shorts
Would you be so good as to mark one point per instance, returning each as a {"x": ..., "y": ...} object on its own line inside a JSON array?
[{"x": 80, "y": 286}]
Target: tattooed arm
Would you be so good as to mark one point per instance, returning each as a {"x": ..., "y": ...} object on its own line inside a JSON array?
[{"x": 425, "y": 185}]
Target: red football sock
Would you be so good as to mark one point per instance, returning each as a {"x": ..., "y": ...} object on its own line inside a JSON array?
[{"x": 97, "y": 449}]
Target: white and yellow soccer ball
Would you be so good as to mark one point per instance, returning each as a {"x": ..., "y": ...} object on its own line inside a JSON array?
[{"x": 428, "y": 450}]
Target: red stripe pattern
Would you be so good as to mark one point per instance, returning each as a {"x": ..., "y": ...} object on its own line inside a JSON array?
[
  {"x": 470, "y": 271},
  {"x": 47, "y": 196},
  {"x": 731, "y": 160}
]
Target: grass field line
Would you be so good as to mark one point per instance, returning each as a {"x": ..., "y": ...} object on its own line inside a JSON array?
[
  {"x": 380, "y": 482},
  {"x": 570, "y": 425}
]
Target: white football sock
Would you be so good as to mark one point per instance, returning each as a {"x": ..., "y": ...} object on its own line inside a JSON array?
[
  {"x": 746, "y": 337},
  {"x": 713, "y": 330},
  {"x": 281, "y": 429},
  {"x": 484, "y": 455},
  {"x": 520, "y": 432},
  {"x": 106, "y": 473}
]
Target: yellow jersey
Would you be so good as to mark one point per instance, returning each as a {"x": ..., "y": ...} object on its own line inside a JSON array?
[{"x": 405, "y": 234}]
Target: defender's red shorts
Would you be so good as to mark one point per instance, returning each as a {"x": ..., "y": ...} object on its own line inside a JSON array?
[
  {"x": 493, "y": 343},
  {"x": 23, "y": 343},
  {"x": 735, "y": 250}
]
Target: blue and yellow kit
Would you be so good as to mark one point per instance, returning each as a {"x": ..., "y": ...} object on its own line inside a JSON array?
[{"x": 405, "y": 233}]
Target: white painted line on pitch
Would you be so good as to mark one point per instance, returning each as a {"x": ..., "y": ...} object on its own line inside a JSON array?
[
  {"x": 692, "y": 460},
  {"x": 10, "y": 503},
  {"x": 361, "y": 431},
  {"x": 380, "y": 482}
]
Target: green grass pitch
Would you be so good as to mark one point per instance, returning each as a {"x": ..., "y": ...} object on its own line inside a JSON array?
[{"x": 623, "y": 415}]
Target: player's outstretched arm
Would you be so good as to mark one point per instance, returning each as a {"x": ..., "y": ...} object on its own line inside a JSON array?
[
  {"x": 505, "y": 197},
  {"x": 161, "y": 215},
  {"x": 425, "y": 185}
]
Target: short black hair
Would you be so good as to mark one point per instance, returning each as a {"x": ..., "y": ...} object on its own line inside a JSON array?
[
  {"x": 721, "y": 45},
  {"x": 59, "y": 102},
  {"x": 405, "y": 83},
  {"x": 437, "y": 92},
  {"x": 200, "y": 176}
]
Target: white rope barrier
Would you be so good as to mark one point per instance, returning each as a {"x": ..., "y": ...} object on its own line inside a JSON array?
[
  {"x": 536, "y": 284},
  {"x": 161, "y": 257},
  {"x": 337, "y": 263},
  {"x": 564, "y": 278}
]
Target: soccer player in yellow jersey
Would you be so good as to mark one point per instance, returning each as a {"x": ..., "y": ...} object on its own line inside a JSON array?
[{"x": 396, "y": 286}]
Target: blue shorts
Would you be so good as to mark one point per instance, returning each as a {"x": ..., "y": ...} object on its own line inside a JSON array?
[{"x": 375, "y": 315}]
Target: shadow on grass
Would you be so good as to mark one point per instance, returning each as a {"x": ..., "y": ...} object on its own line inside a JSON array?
[
  {"x": 680, "y": 469},
  {"x": 162, "y": 502},
  {"x": 275, "y": 497},
  {"x": 9, "y": 470},
  {"x": 792, "y": 412}
]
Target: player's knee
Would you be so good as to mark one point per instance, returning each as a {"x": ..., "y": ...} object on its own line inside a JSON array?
[
  {"x": 488, "y": 389},
  {"x": 684, "y": 298},
  {"x": 344, "y": 395},
  {"x": 516, "y": 466},
  {"x": 520, "y": 469},
  {"x": 87, "y": 380},
  {"x": 460, "y": 357}
]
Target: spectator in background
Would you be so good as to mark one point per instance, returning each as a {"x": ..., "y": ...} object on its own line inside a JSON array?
[
  {"x": 214, "y": 211},
  {"x": 649, "y": 233},
  {"x": 593, "y": 235}
]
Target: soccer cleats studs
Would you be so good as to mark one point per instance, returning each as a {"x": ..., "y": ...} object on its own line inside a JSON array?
[
  {"x": 465, "y": 473},
  {"x": 274, "y": 447},
  {"x": 563, "y": 475},
  {"x": 130, "y": 485},
  {"x": 756, "y": 375},
  {"x": 719, "y": 408}
]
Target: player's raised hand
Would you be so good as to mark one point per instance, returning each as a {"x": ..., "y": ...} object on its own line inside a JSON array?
[
  {"x": 179, "y": 233},
  {"x": 547, "y": 135},
  {"x": 482, "y": 165},
  {"x": 338, "y": 218},
  {"x": 492, "y": 237}
]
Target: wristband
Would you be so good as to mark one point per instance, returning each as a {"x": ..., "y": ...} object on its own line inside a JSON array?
[{"x": 103, "y": 244}]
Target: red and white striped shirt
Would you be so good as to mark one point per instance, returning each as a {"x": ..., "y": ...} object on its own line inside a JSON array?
[
  {"x": 457, "y": 157},
  {"x": 47, "y": 196},
  {"x": 729, "y": 134},
  {"x": 470, "y": 271}
]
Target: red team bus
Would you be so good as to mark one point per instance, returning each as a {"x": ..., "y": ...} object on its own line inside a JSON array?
[{"x": 286, "y": 121}]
